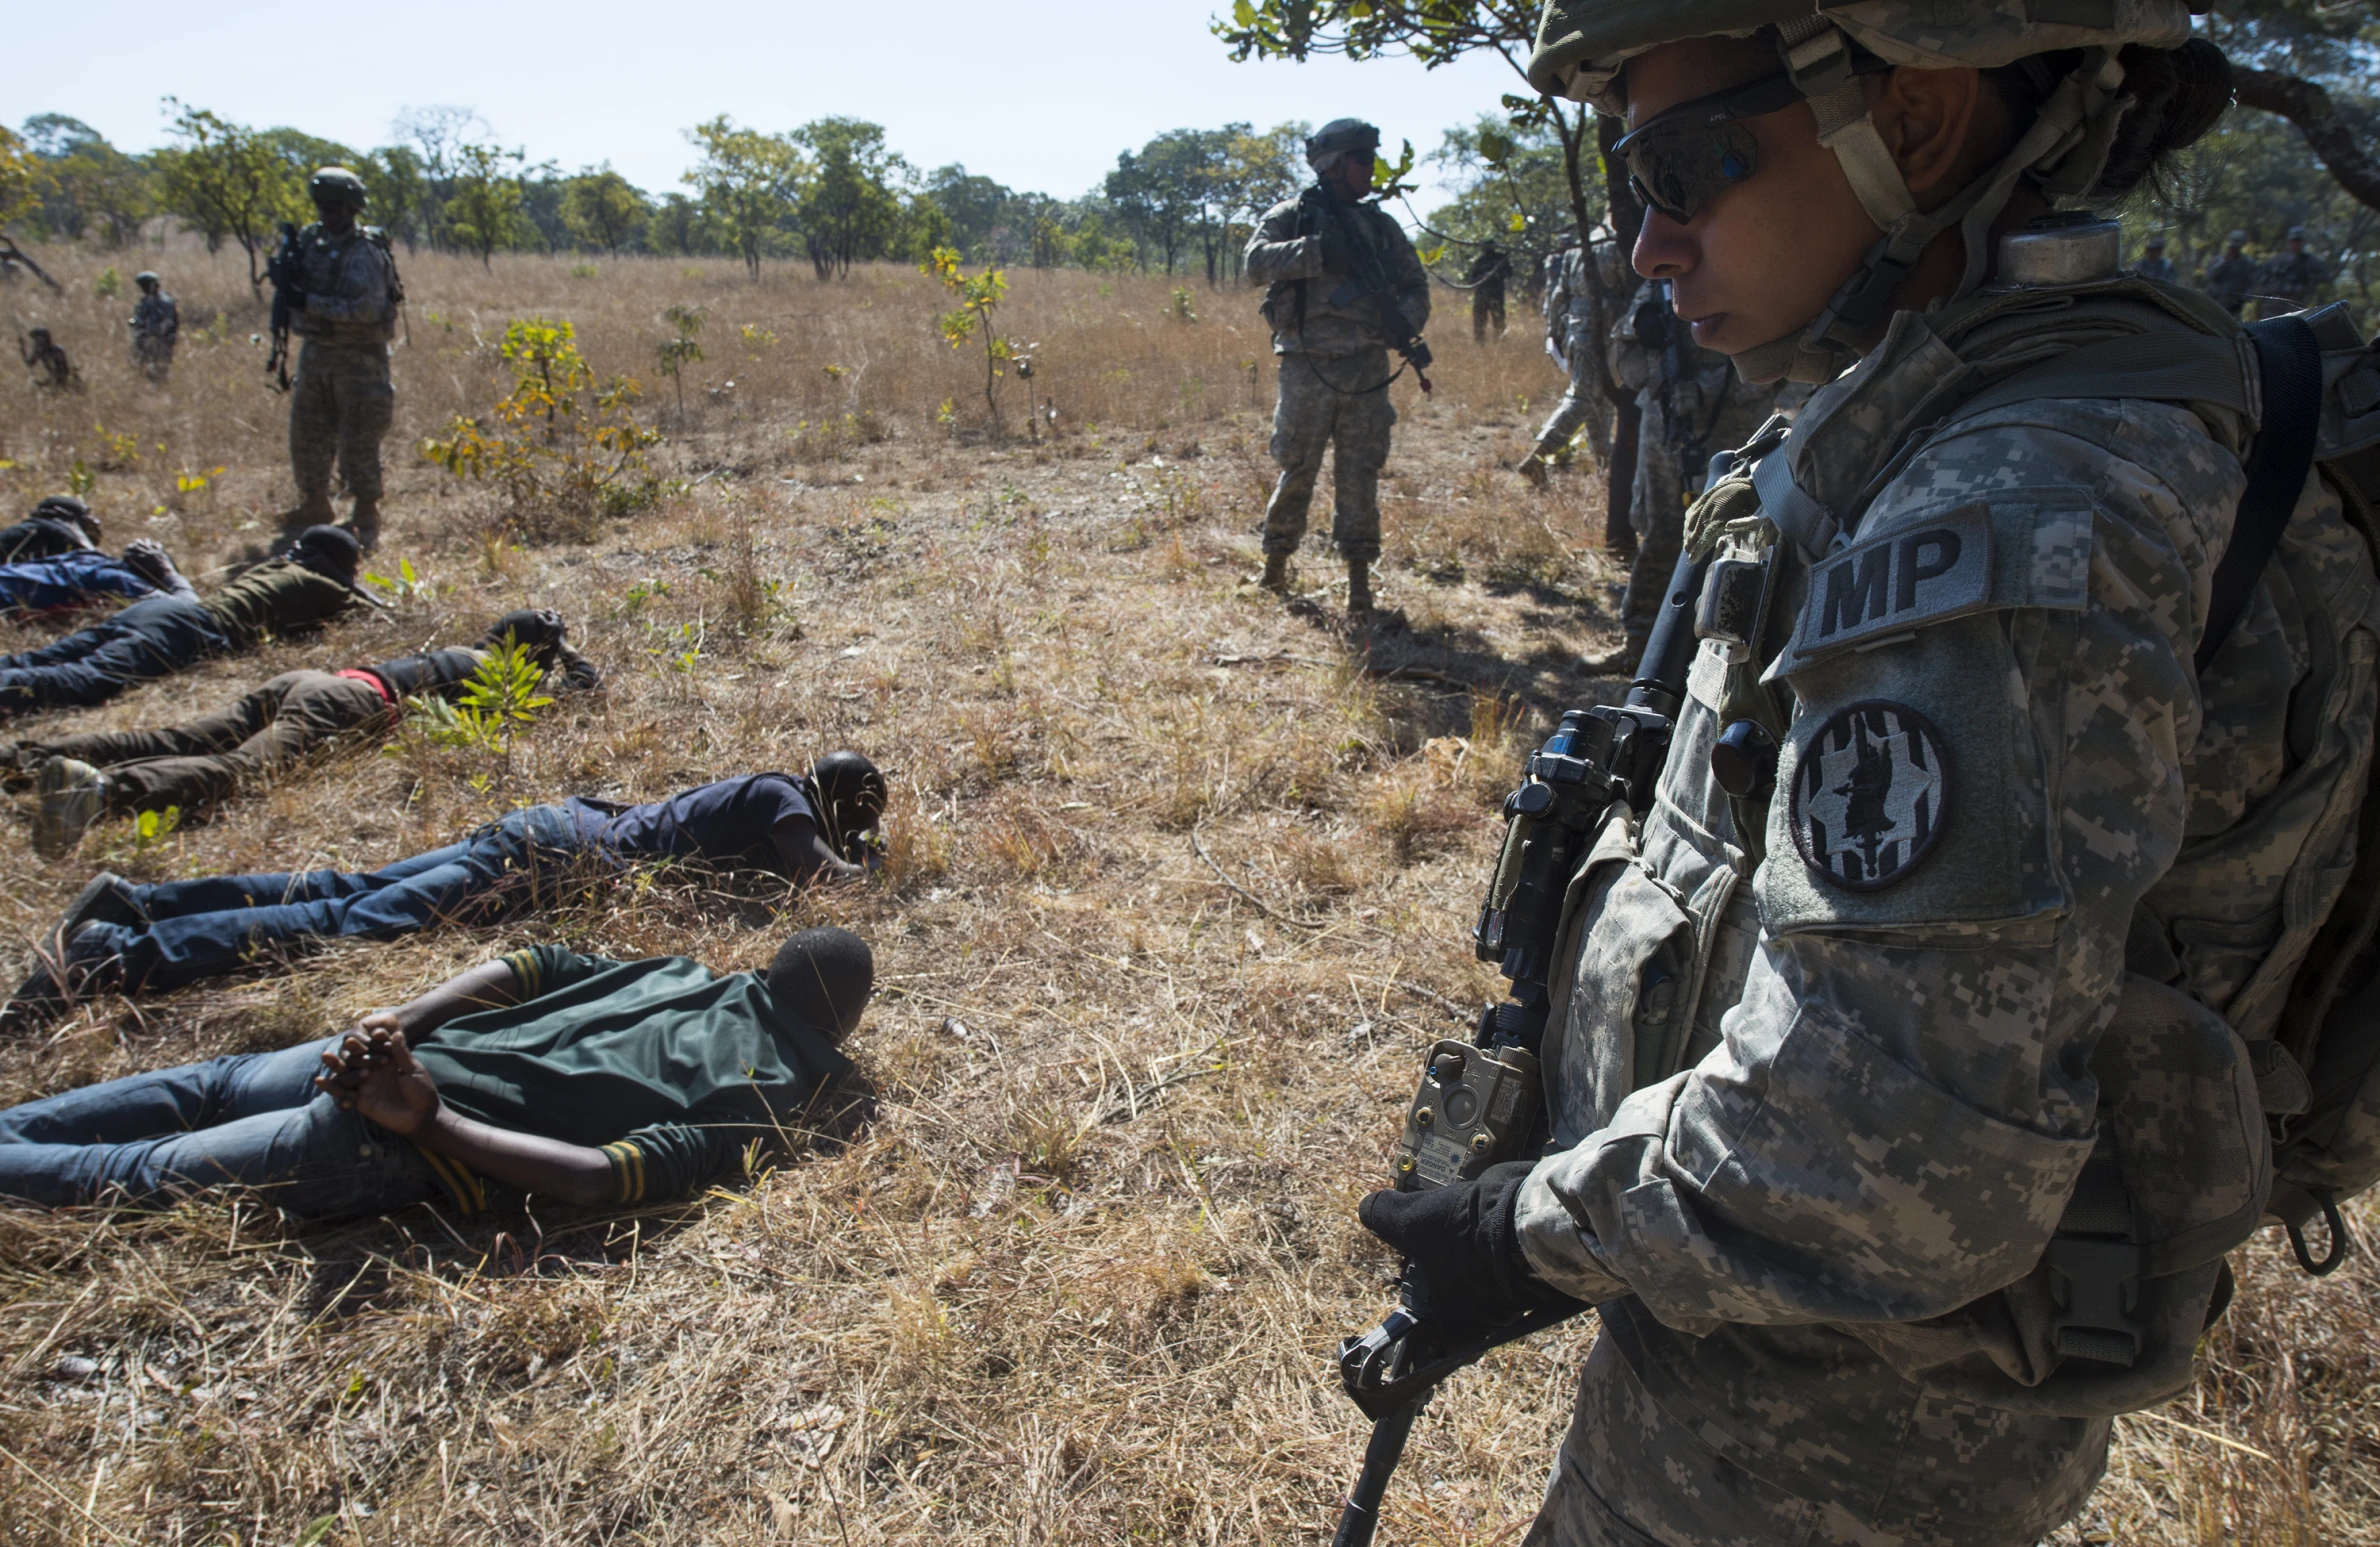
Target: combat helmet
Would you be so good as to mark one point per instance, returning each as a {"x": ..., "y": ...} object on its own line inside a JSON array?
[
  {"x": 147, "y": 277},
  {"x": 1583, "y": 44},
  {"x": 336, "y": 185},
  {"x": 1327, "y": 146}
]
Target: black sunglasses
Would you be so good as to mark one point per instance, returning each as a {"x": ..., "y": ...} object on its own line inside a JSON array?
[{"x": 1681, "y": 159}]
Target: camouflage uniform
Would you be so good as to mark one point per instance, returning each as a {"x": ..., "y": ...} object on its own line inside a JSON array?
[
  {"x": 1571, "y": 337},
  {"x": 1690, "y": 404},
  {"x": 342, "y": 403},
  {"x": 2230, "y": 280},
  {"x": 1821, "y": 1095},
  {"x": 1489, "y": 271},
  {"x": 2158, "y": 267},
  {"x": 156, "y": 328},
  {"x": 1334, "y": 370}
]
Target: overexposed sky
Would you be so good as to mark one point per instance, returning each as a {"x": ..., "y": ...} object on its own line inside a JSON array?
[{"x": 1040, "y": 94}]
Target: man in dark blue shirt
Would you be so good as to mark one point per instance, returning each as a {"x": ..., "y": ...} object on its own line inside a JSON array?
[
  {"x": 154, "y": 938},
  {"x": 546, "y": 1071}
]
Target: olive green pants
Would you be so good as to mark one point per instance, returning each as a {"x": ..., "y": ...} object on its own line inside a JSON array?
[
  {"x": 1339, "y": 404},
  {"x": 340, "y": 409}
]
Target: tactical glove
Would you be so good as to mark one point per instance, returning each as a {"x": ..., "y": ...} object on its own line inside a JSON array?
[{"x": 1462, "y": 1249}]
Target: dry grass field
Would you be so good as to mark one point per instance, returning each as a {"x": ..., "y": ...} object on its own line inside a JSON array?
[{"x": 1180, "y": 885}]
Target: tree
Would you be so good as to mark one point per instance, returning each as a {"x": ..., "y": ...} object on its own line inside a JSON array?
[
  {"x": 230, "y": 183},
  {"x": 979, "y": 296},
  {"x": 20, "y": 176},
  {"x": 849, "y": 208},
  {"x": 1163, "y": 190},
  {"x": 2311, "y": 62},
  {"x": 603, "y": 210},
  {"x": 677, "y": 226},
  {"x": 400, "y": 189},
  {"x": 87, "y": 182},
  {"x": 483, "y": 209},
  {"x": 981, "y": 222},
  {"x": 748, "y": 181},
  {"x": 1511, "y": 187}
]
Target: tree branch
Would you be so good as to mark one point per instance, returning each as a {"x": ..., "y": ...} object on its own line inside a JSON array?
[{"x": 2308, "y": 106}]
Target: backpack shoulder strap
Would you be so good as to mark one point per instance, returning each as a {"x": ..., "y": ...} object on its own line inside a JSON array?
[{"x": 2289, "y": 370}]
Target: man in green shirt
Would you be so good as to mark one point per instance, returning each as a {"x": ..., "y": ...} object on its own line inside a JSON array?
[
  {"x": 546, "y": 1071},
  {"x": 166, "y": 634}
]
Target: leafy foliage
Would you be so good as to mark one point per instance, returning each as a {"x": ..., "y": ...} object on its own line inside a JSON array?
[
  {"x": 231, "y": 183},
  {"x": 498, "y": 700},
  {"x": 748, "y": 182},
  {"x": 978, "y": 295},
  {"x": 561, "y": 446}
]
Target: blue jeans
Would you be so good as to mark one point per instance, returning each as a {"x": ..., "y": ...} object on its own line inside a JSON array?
[
  {"x": 218, "y": 924},
  {"x": 248, "y": 1120},
  {"x": 148, "y": 639}
]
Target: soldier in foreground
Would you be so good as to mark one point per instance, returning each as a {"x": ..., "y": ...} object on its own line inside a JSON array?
[
  {"x": 1900, "y": 1097},
  {"x": 340, "y": 284},
  {"x": 84, "y": 778},
  {"x": 2290, "y": 278},
  {"x": 156, "y": 327},
  {"x": 1333, "y": 349},
  {"x": 2231, "y": 279},
  {"x": 1574, "y": 337},
  {"x": 1490, "y": 270},
  {"x": 577, "y": 1078}
]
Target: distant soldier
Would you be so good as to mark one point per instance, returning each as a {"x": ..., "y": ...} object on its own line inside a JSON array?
[
  {"x": 1490, "y": 267},
  {"x": 1574, "y": 337},
  {"x": 344, "y": 305},
  {"x": 2231, "y": 279},
  {"x": 2154, "y": 264},
  {"x": 1327, "y": 333},
  {"x": 1690, "y": 403},
  {"x": 156, "y": 327},
  {"x": 45, "y": 359},
  {"x": 2289, "y": 278}
]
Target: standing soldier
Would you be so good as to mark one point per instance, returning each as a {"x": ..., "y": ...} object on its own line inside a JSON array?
[
  {"x": 2154, "y": 264},
  {"x": 1573, "y": 336},
  {"x": 2288, "y": 280},
  {"x": 156, "y": 327},
  {"x": 2232, "y": 278},
  {"x": 344, "y": 305},
  {"x": 1690, "y": 403},
  {"x": 1490, "y": 267},
  {"x": 1333, "y": 349},
  {"x": 1910, "y": 1029}
]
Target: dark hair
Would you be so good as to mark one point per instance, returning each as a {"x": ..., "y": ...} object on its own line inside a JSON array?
[
  {"x": 328, "y": 550},
  {"x": 2177, "y": 93},
  {"x": 824, "y": 976},
  {"x": 846, "y": 779},
  {"x": 538, "y": 630}
]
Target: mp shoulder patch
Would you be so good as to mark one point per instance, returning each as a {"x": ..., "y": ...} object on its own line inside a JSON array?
[
  {"x": 1870, "y": 795},
  {"x": 1883, "y": 588}
]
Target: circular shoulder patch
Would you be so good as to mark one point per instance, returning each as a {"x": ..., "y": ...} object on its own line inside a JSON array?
[{"x": 1870, "y": 795}]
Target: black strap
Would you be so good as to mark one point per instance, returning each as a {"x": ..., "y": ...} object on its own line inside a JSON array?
[{"x": 2289, "y": 368}]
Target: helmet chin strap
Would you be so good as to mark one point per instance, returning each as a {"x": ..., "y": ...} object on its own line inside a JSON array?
[{"x": 2065, "y": 149}]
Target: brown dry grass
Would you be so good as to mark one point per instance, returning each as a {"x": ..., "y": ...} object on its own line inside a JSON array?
[{"x": 1069, "y": 1270}]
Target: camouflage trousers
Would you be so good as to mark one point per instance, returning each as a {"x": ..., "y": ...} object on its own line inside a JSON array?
[
  {"x": 1487, "y": 310},
  {"x": 1846, "y": 1454},
  {"x": 1323, "y": 405},
  {"x": 340, "y": 409},
  {"x": 153, "y": 353},
  {"x": 1657, "y": 514},
  {"x": 1582, "y": 407}
]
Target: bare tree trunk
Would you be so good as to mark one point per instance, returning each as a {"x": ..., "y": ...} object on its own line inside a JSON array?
[
  {"x": 2309, "y": 107},
  {"x": 16, "y": 254}
]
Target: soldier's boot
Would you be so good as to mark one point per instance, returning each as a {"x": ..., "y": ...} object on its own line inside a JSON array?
[
  {"x": 1276, "y": 573},
  {"x": 1532, "y": 467},
  {"x": 313, "y": 509},
  {"x": 1359, "y": 586},
  {"x": 364, "y": 522}
]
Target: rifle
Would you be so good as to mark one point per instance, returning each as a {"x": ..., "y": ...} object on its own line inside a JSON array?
[
  {"x": 1479, "y": 1104},
  {"x": 1374, "y": 283},
  {"x": 282, "y": 269}
]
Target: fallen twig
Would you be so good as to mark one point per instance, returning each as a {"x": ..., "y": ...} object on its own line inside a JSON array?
[
  {"x": 1134, "y": 1100},
  {"x": 1253, "y": 901}
]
